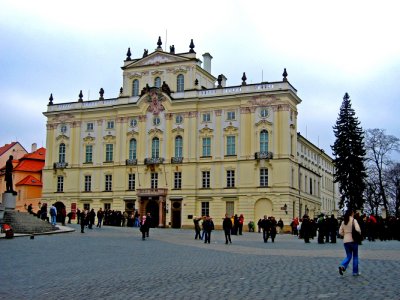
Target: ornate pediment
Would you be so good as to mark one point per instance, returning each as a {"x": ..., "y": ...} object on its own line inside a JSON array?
[
  {"x": 88, "y": 139},
  {"x": 155, "y": 98},
  {"x": 206, "y": 131},
  {"x": 230, "y": 129},
  {"x": 132, "y": 133},
  {"x": 109, "y": 138},
  {"x": 62, "y": 137},
  {"x": 263, "y": 122},
  {"x": 178, "y": 130},
  {"x": 155, "y": 131},
  {"x": 158, "y": 58}
]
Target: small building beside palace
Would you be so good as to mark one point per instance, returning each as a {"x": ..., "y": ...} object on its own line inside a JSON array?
[{"x": 178, "y": 142}]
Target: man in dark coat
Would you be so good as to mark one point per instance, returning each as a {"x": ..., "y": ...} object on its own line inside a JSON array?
[
  {"x": 8, "y": 175},
  {"x": 306, "y": 229},
  {"x": 208, "y": 226},
  {"x": 266, "y": 228},
  {"x": 227, "y": 226}
]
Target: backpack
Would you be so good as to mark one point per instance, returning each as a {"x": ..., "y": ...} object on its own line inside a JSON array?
[{"x": 52, "y": 211}]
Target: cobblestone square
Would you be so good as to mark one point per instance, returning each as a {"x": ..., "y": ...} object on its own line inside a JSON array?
[{"x": 114, "y": 263}]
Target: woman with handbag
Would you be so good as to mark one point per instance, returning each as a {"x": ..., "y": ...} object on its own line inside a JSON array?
[{"x": 350, "y": 245}]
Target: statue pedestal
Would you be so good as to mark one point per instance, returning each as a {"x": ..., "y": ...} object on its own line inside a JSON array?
[{"x": 9, "y": 201}]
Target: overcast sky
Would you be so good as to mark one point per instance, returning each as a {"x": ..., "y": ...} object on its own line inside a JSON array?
[{"x": 328, "y": 48}]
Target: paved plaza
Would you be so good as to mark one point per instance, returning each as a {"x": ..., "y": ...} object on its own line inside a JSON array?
[{"x": 114, "y": 263}]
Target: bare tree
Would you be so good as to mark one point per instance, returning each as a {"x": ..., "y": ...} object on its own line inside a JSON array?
[
  {"x": 379, "y": 146},
  {"x": 393, "y": 178}
]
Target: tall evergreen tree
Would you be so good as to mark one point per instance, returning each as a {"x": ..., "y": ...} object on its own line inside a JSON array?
[{"x": 349, "y": 156}]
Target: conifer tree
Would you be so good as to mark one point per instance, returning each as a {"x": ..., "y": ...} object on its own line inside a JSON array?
[{"x": 349, "y": 156}]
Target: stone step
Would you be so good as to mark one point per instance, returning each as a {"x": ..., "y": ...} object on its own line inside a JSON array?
[{"x": 23, "y": 222}]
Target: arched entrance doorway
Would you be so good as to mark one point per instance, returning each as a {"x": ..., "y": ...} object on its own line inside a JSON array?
[
  {"x": 59, "y": 206},
  {"x": 261, "y": 208},
  {"x": 176, "y": 212},
  {"x": 152, "y": 208}
]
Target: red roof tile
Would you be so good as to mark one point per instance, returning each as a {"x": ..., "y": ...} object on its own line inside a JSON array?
[
  {"x": 6, "y": 147},
  {"x": 29, "y": 165},
  {"x": 30, "y": 180},
  {"x": 38, "y": 154}
]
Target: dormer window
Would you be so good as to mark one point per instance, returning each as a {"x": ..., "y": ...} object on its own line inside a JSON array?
[
  {"x": 180, "y": 83},
  {"x": 157, "y": 82}
]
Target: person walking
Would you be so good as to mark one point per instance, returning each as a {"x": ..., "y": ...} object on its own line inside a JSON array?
[
  {"x": 240, "y": 225},
  {"x": 350, "y": 246},
  {"x": 197, "y": 228},
  {"x": 144, "y": 227},
  {"x": 53, "y": 214},
  {"x": 83, "y": 216},
  {"x": 227, "y": 226},
  {"x": 208, "y": 226},
  {"x": 100, "y": 216},
  {"x": 266, "y": 228}
]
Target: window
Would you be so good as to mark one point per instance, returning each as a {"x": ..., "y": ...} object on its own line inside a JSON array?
[
  {"x": 132, "y": 149},
  {"x": 230, "y": 208},
  {"x": 86, "y": 206},
  {"x": 89, "y": 154},
  {"x": 230, "y": 178},
  {"x": 110, "y": 124},
  {"x": 154, "y": 181},
  {"x": 230, "y": 145},
  {"x": 264, "y": 141},
  {"x": 205, "y": 179},
  {"x": 108, "y": 183},
  {"x": 60, "y": 184},
  {"x": 88, "y": 183},
  {"x": 63, "y": 128},
  {"x": 264, "y": 177},
  {"x": 264, "y": 112},
  {"x": 179, "y": 119},
  {"x": 178, "y": 146},
  {"x": 155, "y": 148},
  {"x": 133, "y": 122},
  {"x": 135, "y": 88},
  {"x": 109, "y": 152},
  {"x": 107, "y": 206},
  {"x": 131, "y": 182},
  {"x": 207, "y": 146},
  {"x": 89, "y": 126},
  {"x": 311, "y": 186},
  {"x": 178, "y": 180},
  {"x": 61, "y": 153},
  {"x": 206, "y": 117},
  {"x": 156, "y": 121},
  {"x": 230, "y": 115},
  {"x": 205, "y": 208},
  {"x": 180, "y": 83},
  {"x": 157, "y": 82}
]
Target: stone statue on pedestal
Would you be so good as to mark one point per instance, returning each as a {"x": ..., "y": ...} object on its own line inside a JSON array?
[{"x": 8, "y": 175}]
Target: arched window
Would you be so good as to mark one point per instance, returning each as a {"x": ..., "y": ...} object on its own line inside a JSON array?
[
  {"x": 180, "y": 83},
  {"x": 61, "y": 153},
  {"x": 135, "y": 88},
  {"x": 178, "y": 146},
  {"x": 132, "y": 149},
  {"x": 264, "y": 141},
  {"x": 157, "y": 82},
  {"x": 155, "y": 148}
]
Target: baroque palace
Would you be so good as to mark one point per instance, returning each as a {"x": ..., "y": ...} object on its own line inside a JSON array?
[{"x": 178, "y": 142}]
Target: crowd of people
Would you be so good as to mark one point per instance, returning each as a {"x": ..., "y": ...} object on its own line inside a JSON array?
[{"x": 326, "y": 228}]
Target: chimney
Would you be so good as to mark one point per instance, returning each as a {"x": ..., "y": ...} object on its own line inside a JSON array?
[
  {"x": 207, "y": 62},
  {"x": 224, "y": 79},
  {"x": 34, "y": 147}
]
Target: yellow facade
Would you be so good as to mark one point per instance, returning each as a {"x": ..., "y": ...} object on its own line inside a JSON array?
[{"x": 177, "y": 142}]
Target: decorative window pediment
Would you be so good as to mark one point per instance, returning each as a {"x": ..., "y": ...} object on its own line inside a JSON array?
[
  {"x": 132, "y": 133},
  {"x": 206, "y": 131},
  {"x": 109, "y": 138},
  {"x": 231, "y": 130},
  {"x": 62, "y": 137},
  {"x": 88, "y": 139},
  {"x": 263, "y": 122},
  {"x": 178, "y": 130},
  {"x": 155, "y": 131}
]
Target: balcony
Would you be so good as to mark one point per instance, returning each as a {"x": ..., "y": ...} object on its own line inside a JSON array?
[
  {"x": 154, "y": 161},
  {"x": 60, "y": 165},
  {"x": 152, "y": 192},
  {"x": 176, "y": 160},
  {"x": 131, "y": 162},
  {"x": 263, "y": 155}
]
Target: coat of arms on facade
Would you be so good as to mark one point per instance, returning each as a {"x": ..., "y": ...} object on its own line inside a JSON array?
[{"x": 155, "y": 97}]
